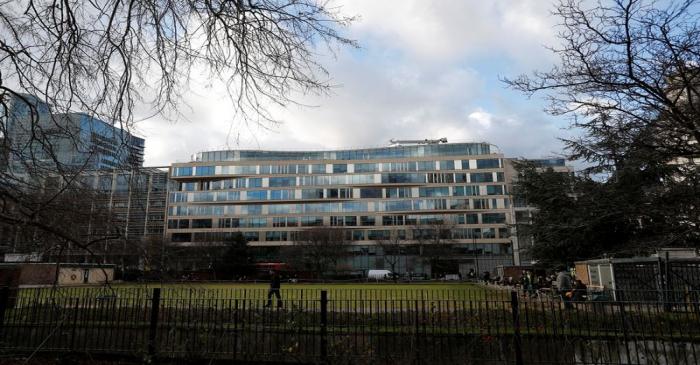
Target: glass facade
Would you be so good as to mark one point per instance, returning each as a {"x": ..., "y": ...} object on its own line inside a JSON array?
[{"x": 270, "y": 197}]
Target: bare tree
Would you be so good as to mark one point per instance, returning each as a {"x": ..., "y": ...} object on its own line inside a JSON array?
[
  {"x": 434, "y": 237},
  {"x": 393, "y": 248},
  {"x": 318, "y": 249},
  {"x": 628, "y": 75},
  {"x": 105, "y": 58}
]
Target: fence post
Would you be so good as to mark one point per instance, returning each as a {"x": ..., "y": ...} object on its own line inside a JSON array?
[
  {"x": 4, "y": 299},
  {"x": 155, "y": 306},
  {"x": 324, "y": 323},
  {"x": 235, "y": 330},
  {"x": 516, "y": 328}
]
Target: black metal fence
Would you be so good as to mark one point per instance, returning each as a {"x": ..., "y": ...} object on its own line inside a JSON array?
[{"x": 350, "y": 326}]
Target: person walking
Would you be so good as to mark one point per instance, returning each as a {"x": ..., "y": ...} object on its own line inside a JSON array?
[
  {"x": 564, "y": 286},
  {"x": 275, "y": 284}
]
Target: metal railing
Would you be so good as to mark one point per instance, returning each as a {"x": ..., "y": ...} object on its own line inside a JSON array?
[{"x": 349, "y": 326}]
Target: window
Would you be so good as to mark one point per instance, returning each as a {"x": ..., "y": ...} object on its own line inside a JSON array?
[
  {"x": 182, "y": 171},
  {"x": 318, "y": 168},
  {"x": 350, "y": 220},
  {"x": 281, "y": 194},
  {"x": 276, "y": 236},
  {"x": 370, "y": 193},
  {"x": 204, "y": 171},
  {"x": 340, "y": 221},
  {"x": 500, "y": 177},
  {"x": 358, "y": 235},
  {"x": 382, "y": 234},
  {"x": 494, "y": 189},
  {"x": 201, "y": 223},
  {"x": 403, "y": 178},
  {"x": 436, "y": 178},
  {"x": 255, "y": 182},
  {"x": 312, "y": 193},
  {"x": 311, "y": 221},
  {"x": 425, "y": 165},
  {"x": 437, "y": 191},
  {"x": 282, "y": 181},
  {"x": 367, "y": 220},
  {"x": 493, "y": 218},
  {"x": 340, "y": 168},
  {"x": 365, "y": 167},
  {"x": 398, "y": 192},
  {"x": 183, "y": 223},
  {"x": 393, "y": 220},
  {"x": 466, "y": 190},
  {"x": 251, "y": 236},
  {"x": 481, "y": 203},
  {"x": 339, "y": 193},
  {"x": 447, "y": 165},
  {"x": 460, "y": 178},
  {"x": 491, "y": 163},
  {"x": 257, "y": 195},
  {"x": 229, "y": 223},
  {"x": 181, "y": 237},
  {"x": 479, "y": 177},
  {"x": 284, "y": 222},
  {"x": 398, "y": 166}
]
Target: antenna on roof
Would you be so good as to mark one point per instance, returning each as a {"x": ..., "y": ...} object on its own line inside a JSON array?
[{"x": 401, "y": 142}]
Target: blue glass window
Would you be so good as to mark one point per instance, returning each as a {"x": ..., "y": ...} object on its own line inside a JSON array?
[
  {"x": 318, "y": 168},
  {"x": 257, "y": 195},
  {"x": 255, "y": 182},
  {"x": 340, "y": 168},
  {"x": 183, "y": 171},
  {"x": 425, "y": 165},
  {"x": 282, "y": 181},
  {"x": 481, "y": 177},
  {"x": 365, "y": 167},
  {"x": 490, "y": 163},
  {"x": 204, "y": 171},
  {"x": 312, "y": 193},
  {"x": 447, "y": 165},
  {"x": 437, "y": 191},
  {"x": 494, "y": 189},
  {"x": 281, "y": 194}
]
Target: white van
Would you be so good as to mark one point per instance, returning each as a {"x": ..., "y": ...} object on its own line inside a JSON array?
[{"x": 379, "y": 274}]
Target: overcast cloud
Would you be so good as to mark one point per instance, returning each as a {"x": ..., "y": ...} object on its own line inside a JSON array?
[{"x": 427, "y": 69}]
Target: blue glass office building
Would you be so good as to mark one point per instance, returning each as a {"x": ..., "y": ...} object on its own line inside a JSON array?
[
  {"x": 372, "y": 194},
  {"x": 38, "y": 137}
]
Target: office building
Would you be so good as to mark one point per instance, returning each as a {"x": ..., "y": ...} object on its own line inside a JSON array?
[
  {"x": 120, "y": 211},
  {"x": 373, "y": 195},
  {"x": 38, "y": 138}
]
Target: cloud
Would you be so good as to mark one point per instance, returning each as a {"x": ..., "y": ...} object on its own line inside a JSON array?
[{"x": 426, "y": 70}]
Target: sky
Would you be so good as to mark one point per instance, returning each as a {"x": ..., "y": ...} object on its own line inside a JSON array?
[{"x": 424, "y": 69}]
